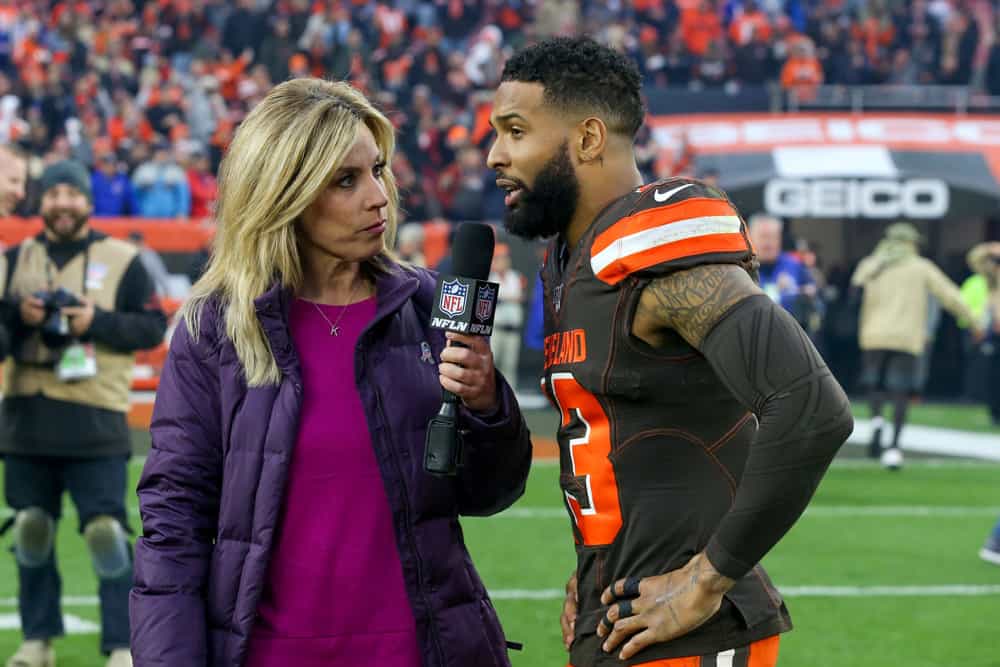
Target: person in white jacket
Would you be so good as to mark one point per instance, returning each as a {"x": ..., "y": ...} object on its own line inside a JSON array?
[{"x": 506, "y": 339}]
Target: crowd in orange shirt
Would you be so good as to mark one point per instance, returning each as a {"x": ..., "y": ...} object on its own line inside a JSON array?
[{"x": 128, "y": 82}]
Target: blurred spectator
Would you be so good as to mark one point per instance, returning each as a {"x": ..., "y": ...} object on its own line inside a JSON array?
[
  {"x": 556, "y": 17},
  {"x": 410, "y": 244},
  {"x": 993, "y": 66},
  {"x": 412, "y": 196},
  {"x": 959, "y": 43},
  {"x": 700, "y": 26},
  {"x": 483, "y": 64},
  {"x": 897, "y": 283},
  {"x": 981, "y": 293},
  {"x": 277, "y": 49},
  {"x": 749, "y": 26},
  {"x": 203, "y": 185},
  {"x": 75, "y": 78},
  {"x": 113, "y": 195},
  {"x": 713, "y": 71},
  {"x": 199, "y": 262},
  {"x": 161, "y": 187},
  {"x": 904, "y": 70},
  {"x": 244, "y": 29},
  {"x": 991, "y": 550},
  {"x": 876, "y": 32},
  {"x": 754, "y": 61},
  {"x": 349, "y": 58},
  {"x": 164, "y": 112},
  {"x": 506, "y": 338},
  {"x": 444, "y": 266},
  {"x": 783, "y": 276},
  {"x": 647, "y": 149},
  {"x": 678, "y": 64},
  {"x": 204, "y": 107},
  {"x": 802, "y": 71},
  {"x": 463, "y": 186},
  {"x": 13, "y": 177},
  {"x": 152, "y": 262}
]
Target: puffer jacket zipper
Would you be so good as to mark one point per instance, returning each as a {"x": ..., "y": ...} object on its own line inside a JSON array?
[{"x": 431, "y": 620}]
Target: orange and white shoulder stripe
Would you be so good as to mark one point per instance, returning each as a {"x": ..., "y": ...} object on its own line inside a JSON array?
[{"x": 691, "y": 227}]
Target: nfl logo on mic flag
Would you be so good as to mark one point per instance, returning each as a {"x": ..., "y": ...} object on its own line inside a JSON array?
[
  {"x": 486, "y": 300},
  {"x": 453, "y": 296},
  {"x": 454, "y": 312}
]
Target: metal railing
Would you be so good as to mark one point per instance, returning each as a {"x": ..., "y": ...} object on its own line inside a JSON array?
[{"x": 950, "y": 99}]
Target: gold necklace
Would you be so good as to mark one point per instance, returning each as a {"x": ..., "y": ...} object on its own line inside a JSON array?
[{"x": 334, "y": 326}]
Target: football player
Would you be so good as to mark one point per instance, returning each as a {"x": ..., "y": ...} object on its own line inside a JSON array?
[{"x": 697, "y": 419}]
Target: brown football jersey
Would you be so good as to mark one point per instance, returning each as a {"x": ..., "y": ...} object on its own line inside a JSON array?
[{"x": 652, "y": 444}]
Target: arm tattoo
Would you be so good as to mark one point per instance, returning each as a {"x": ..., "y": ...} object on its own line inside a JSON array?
[{"x": 692, "y": 301}]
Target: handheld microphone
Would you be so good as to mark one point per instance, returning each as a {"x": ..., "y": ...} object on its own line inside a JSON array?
[{"x": 464, "y": 302}]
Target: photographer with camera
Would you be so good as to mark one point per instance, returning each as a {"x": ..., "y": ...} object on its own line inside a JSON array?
[{"x": 78, "y": 304}]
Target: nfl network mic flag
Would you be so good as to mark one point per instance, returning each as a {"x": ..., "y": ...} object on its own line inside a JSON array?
[{"x": 465, "y": 305}]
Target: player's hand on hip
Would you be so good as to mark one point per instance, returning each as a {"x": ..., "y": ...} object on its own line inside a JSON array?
[
  {"x": 468, "y": 372},
  {"x": 642, "y": 612},
  {"x": 568, "y": 617}
]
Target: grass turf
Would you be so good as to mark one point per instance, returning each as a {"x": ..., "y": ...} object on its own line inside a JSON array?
[{"x": 830, "y": 546}]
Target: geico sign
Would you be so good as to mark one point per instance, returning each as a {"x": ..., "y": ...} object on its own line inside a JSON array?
[{"x": 854, "y": 198}]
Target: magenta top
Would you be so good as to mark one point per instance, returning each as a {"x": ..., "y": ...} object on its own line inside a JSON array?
[{"x": 334, "y": 594}]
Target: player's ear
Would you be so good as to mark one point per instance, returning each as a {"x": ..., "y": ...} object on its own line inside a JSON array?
[{"x": 591, "y": 139}]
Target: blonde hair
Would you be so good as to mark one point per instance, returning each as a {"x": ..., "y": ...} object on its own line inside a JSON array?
[{"x": 282, "y": 158}]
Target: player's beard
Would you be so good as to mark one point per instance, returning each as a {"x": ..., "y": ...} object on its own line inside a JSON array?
[
  {"x": 546, "y": 208},
  {"x": 52, "y": 217}
]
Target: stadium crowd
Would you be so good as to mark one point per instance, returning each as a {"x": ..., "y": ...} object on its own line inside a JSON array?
[{"x": 148, "y": 93}]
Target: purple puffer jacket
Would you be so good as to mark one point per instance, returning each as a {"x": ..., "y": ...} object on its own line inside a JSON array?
[{"x": 211, "y": 490}]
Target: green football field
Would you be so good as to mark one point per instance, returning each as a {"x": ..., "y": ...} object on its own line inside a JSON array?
[{"x": 882, "y": 570}]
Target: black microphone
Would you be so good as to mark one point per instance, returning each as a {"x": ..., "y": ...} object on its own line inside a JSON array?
[{"x": 464, "y": 302}]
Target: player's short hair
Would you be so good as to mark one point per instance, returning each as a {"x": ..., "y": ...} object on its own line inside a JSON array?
[{"x": 580, "y": 75}]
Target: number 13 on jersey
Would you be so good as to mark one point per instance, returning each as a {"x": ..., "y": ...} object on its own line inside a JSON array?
[{"x": 595, "y": 509}]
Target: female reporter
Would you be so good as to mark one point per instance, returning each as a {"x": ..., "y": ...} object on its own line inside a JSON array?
[{"x": 287, "y": 519}]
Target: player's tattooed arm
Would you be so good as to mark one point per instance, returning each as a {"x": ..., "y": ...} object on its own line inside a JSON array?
[
  {"x": 692, "y": 301},
  {"x": 767, "y": 362}
]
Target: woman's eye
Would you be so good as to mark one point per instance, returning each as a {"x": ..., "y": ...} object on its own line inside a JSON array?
[
  {"x": 378, "y": 170},
  {"x": 346, "y": 182},
  {"x": 516, "y": 132}
]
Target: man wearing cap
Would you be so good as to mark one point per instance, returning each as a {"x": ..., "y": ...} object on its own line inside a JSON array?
[
  {"x": 897, "y": 284},
  {"x": 78, "y": 305}
]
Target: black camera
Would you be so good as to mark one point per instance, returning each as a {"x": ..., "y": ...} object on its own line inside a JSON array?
[{"x": 55, "y": 326}]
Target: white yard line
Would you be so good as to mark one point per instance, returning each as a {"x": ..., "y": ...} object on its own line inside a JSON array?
[
  {"x": 943, "y": 590},
  {"x": 67, "y": 601},
  {"x": 939, "y": 441},
  {"x": 833, "y": 511},
  {"x": 799, "y": 591},
  {"x": 74, "y": 625},
  {"x": 824, "y": 511},
  {"x": 937, "y": 463}
]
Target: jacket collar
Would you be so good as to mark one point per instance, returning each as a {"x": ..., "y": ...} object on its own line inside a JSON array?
[{"x": 393, "y": 288}]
